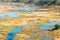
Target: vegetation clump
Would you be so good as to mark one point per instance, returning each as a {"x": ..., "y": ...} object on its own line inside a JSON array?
[{"x": 56, "y": 27}]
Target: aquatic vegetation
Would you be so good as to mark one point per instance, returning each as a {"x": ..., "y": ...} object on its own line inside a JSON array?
[{"x": 57, "y": 27}]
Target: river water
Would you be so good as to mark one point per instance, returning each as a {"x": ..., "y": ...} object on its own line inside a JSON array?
[{"x": 45, "y": 26}]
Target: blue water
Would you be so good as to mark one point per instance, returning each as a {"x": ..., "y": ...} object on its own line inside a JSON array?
[
  {"x": 28, "y": 9},
  {"x": 48, "y": 26},
  {"x": 45, "y": 26},
  {"x": 9, "y": 14},
  {"x": 13, "y": 14},
  {"x": 46, "y": 39}
]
